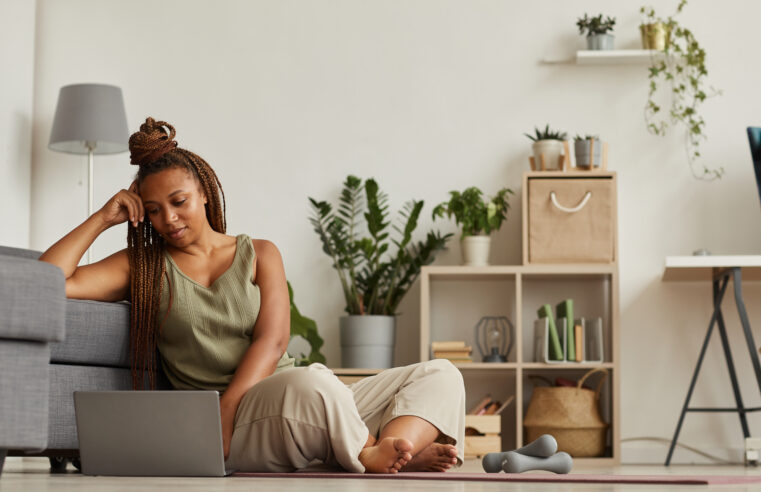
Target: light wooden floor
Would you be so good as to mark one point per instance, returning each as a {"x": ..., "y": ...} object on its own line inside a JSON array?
[{"x": 32, "y": 474}]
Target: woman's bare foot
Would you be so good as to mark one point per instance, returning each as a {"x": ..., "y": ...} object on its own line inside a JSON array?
[
  {"x": 436, "y": 457},
  {"x": 388, "y": 455}
]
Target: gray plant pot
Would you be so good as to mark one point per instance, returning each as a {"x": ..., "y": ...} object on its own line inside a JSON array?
[
  {"x": 367, "y": 341},
  {"x": 582, "y": 150},
  {"x": 600, "y": 41}
]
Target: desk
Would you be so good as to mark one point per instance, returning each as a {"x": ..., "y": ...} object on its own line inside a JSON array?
[{"x": 718, "y": 269}]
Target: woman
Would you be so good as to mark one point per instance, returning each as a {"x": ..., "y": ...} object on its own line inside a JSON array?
[{"x": 216, "y": 308}]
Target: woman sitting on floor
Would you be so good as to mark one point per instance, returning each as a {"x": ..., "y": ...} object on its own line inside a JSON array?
[{"x": 216, "y": 308}]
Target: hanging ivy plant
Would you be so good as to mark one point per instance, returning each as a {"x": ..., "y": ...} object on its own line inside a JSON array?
[{"x": 681, "y": 71}]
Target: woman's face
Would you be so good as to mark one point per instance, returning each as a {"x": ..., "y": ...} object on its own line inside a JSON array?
[{"x": 174, "y": 204}]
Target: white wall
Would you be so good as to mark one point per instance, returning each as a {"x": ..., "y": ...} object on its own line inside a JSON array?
[
  {"x": 16, "y": 93},
  {"x": 284, "y": 98}
]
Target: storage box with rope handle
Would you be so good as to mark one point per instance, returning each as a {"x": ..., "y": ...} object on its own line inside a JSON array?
[{"x": 569, "y": 217}]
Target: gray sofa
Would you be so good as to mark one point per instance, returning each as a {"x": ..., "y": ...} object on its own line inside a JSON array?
[{"x": 51, "y": 346}]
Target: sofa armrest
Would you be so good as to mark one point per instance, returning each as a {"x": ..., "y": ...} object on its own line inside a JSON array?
[{"x": 32, "y": 300}]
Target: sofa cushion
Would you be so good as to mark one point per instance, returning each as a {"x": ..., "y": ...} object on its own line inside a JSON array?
[
  {"x": 32, "y": 299},
  {"x": 20, "y": 252},
  {"x": 97, "y": 333}
]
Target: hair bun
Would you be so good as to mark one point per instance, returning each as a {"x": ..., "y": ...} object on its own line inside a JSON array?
[{"x": 151, "y": 142}]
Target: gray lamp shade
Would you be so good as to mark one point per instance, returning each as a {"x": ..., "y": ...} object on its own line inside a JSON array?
[{"x": 89, "y": 113}]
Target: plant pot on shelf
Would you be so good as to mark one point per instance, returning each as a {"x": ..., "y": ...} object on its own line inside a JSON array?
[
  {"x": 548, "y": 154},
  {"x": 583, "y": 150},
  {"x": 475, "y": 250},
  {"x": 655, "y": 36},
  {"x": 600, "y": 41},
  {"x": 367, "y": 341}
]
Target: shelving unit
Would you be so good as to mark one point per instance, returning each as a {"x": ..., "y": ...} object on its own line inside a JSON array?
[
  {"x": 517, "y": 291},
  {"x": 606, "y": 57},
  {"x": 526, "y": 284}
]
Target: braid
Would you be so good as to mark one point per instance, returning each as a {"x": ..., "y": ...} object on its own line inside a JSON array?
[{"x": 154, "y": 150}]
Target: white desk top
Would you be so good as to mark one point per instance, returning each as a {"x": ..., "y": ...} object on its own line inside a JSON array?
[{"x": 701, "y": 268}]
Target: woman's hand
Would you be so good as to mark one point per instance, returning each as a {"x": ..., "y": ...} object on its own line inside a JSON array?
[
  {"x": 125, "y": 205},
  {"x": 227, "y": 412}
]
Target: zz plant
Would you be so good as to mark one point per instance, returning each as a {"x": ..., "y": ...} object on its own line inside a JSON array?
[
  {"x": 374, "y": 280},
  {"x": 681, "y": 71}
]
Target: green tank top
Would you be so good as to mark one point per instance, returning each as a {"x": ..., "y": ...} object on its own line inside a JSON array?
[{"x": 209, "y": 329}]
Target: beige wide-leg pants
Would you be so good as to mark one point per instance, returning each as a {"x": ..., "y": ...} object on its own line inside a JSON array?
[{"x": 306, "y": 414}]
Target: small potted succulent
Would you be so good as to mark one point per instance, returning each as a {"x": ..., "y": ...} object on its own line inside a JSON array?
[
  {"x": 597, "y": 31},
  {"x": 583, "y": 150},
  {"x": 548, "y": 148},
  {"x": 478, "y": 218}
]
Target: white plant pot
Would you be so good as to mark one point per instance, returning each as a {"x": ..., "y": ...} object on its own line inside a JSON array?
[
  {"x": 475, "y": 250},
  {"x": 367, "y": 341},
  {"x": 553, "y": 153}
]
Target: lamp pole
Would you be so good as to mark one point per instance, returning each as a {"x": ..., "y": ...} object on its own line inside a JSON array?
[{"x": 90, "y": 151}]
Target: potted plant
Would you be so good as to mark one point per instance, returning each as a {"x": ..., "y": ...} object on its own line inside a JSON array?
[
  {"x": 374, "y": 280},
  {"x": 547, "y": 147},
  {"x": 597, "y": 31},
  {"x": 306, "y": 328},
  {"x": 582, "y": 147},
  {"x": 682, "y": 70},
  {"x": 478, "y": 217}
]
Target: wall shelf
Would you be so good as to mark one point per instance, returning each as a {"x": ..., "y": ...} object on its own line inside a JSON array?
[{"x": 605, "y": 57}]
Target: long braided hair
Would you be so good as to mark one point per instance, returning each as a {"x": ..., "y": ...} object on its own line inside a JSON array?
[{"x": 154, "y": 149}]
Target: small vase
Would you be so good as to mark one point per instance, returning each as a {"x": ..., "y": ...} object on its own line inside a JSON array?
[
  {"x": 582, "y": 150},
  {"x": 600, "y": 41},
  {"x": 475, "y": 250},
  {"x": 553, "y": 154},
  {"x": 655, "y": 36}
]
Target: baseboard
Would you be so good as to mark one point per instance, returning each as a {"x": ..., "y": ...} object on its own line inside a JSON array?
[{"x": 655, "y": 454}]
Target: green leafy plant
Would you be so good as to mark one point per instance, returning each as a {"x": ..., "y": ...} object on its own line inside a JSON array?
[
  {"x": 546, "y": 134},
  {"x": 306, "y": 328},
  {"x": 595, "y": 25},
  {"x": 473, "y": 213},
  {"x": 373, "y": 280},
  {"x": 681, "y": 69},
  {"x": 586, "y": 137}
]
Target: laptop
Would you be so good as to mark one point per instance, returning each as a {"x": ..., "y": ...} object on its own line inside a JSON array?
[
  {"x": 150, "y": 433},
  {"x": 754, "y": 138}
]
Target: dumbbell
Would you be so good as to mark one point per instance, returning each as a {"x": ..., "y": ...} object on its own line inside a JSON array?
[{"x": 538, "y": 455}]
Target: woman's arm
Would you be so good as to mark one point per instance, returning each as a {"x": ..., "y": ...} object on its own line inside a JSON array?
[
  {"x": 108, "y": 279},
  {"x": 270, "y": 338}
]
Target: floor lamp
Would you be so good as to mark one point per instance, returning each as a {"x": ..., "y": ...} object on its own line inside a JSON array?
[{"x": 89, "y": 119}]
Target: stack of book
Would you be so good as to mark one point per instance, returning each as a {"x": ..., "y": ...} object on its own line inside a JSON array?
[{"x": 456, "y": 351}]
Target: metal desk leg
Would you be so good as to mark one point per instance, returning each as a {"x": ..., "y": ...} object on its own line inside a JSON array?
[
  {"x": 733, "y": 374},
  {"x": 716, "y": 311},
  {"x": 746, "y": 324}
]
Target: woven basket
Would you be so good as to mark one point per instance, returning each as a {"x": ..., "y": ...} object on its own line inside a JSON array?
[{"x": 571, "y": 415}]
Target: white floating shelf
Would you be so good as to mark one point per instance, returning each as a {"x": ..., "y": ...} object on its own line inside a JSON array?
[{"x": 607, "y": 57}]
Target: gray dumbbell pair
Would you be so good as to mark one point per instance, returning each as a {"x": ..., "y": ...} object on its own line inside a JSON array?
[{"x": 539, "y": 455}]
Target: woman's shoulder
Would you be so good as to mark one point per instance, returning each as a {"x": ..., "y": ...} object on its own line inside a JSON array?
[{"x": 264, "y": 248}]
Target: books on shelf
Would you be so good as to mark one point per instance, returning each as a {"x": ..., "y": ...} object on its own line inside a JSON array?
[
  {"x": 565, "y": 311},
  {"x": 556, "y": 351},
  {"x": 456, "y": 351},
  {"x": 588, "y": 340}
]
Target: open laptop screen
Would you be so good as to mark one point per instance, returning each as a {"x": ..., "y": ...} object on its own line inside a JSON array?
[{"x": 754, "y": 137}]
